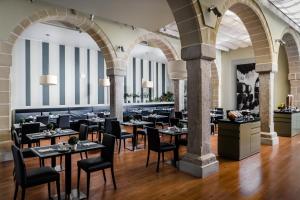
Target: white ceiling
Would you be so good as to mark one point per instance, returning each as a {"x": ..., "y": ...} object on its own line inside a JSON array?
[
  {"x": 232, "y": 33},
  {"x": 149, "y": 14},
  {"x": 155, "y": 14},
  {"x": 291, "y": 8}
]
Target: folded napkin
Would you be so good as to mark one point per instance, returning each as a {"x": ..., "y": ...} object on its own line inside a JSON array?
[
  {"x": 46, "y": 150},
  {"x": 88, "y": 143}
]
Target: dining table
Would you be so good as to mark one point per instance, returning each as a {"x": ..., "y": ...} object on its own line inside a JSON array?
[
  {"x": 156, "y": 116},
  {"x": 177, "y": 133},
  {"x": 66, "y": 150},
  {"x": 135, "y": 124},
  {"x": 52, "y": 135}
]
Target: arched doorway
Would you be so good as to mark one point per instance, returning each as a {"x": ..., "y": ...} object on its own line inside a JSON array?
[
  {"x": 63, "y": 15},
  {"x": 292, "y": 54}
]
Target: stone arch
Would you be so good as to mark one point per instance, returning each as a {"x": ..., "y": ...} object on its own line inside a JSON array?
[
  {"x": 59, "y": 14},
  {"x": 214, "y": 86},
  {"x": 292, "y": 51},
  {"x": 156, "y": 41},
  {"x": 256, "y": 24}
]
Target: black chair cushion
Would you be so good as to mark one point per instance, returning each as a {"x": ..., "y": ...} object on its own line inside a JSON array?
[
  {"x": 166, "y": 146},
  {"x": 93, "y": 164},
  {"x": 126, "y": 135},
  {"x": 41, "y": 175}
]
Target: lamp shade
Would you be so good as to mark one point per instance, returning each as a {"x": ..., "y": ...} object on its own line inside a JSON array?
[
  {"x": 48, "y": 80},
  {"x": 177, "y": 70},
  {"x": 104, "y": 82},
  {"x": 147, "y": 84}
]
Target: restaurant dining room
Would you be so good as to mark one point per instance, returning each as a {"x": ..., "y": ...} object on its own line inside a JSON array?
[{"x": 137, "y": 99}]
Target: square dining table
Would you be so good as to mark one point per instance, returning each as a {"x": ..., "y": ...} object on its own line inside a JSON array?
[
  {"x": 52, "y": 136},
  {"x": 135, "y": 124},
  {"x": 176, "y": 132},
  {"x": 56, "y": 150}
]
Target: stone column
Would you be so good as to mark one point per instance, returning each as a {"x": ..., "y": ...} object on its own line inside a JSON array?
[
  {"x": 266, "y": 105},
  {"x": 116, "y": 77},
  {"x": 199, "y": 160},
  {"x": 178, "y": 94}
]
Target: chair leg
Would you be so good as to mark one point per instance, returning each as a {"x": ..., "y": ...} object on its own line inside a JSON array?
[
  {"x": 158, "y": 160},
  {"x": 104, "y": 176},
  {"x": 60, "y": 161},
  {"x": 78, "y": 180},
  {"x": 145, "y": 142},
  {"x": 148, "y": 158},
  {"x": 88, "y": 176},
  {"x": 124, "y": 144},
  {"x": 49, "y": 190},
  {"x": 86, "y": 155},
  {"x": 16, "y": 191},
  {"x": 23, "y": 193},
  {"x": 81, "y": 155},
  {"x": 113, "y": 177},
  {"x": 132, "y": 140},
  {"x": 120, "y": 145},
  {"x": 163, "y": 156},
  {"x": 58, "y": 188}
]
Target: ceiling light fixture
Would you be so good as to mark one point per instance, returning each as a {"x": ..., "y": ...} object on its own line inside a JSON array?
[{"x": 215, "y": 10}]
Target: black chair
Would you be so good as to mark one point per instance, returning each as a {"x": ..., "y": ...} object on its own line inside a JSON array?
[
  {"x": 179, "y": 115},
  {"x": 121, "y": 135},
  {"x": 154, "y": 144},
  {"x": 26, "y": 152},
  {"x": 164, "y": 121},
  {"x": 63, "y": 121},
  {"x": 143, "y": 132},
  {"x": 107, "y": 124},
  {"x": 43, "y": 119},
  {"x": 83, "y": 135},
  {"x": 28, "y": 129},
  {"x": 33, "y": 177},
  {"x": 174, "y": 122},
  {"x": 106, "y": 160}
]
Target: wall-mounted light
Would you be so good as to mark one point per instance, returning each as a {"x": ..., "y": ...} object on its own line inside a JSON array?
[
  {"x": 92, "y": 16},
  {"x": 120, "y": 49},
  {"x": 48, "y": 80},
  {"x": 280, "y": 41},
  {"x": 104, "y": 82},
  {"x": 215, "y": 10},
  {"x": 147, "y": 84}
]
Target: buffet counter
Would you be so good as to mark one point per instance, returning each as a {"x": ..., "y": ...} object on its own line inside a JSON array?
[{"x": 238, "y": 139}]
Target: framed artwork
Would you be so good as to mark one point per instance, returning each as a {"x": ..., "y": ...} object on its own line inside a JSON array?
[{"x": 247, "y": 87}]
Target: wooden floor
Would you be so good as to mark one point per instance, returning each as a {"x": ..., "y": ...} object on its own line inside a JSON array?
[{"x": 272, "y": 174}]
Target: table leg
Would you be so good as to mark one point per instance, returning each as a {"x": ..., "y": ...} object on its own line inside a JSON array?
[
  {"x": 53, "y": 159},
  {"x": 68, "y": 174},
  {"x": 176, "y": 151},
  {"x": 134, "y": 137}
]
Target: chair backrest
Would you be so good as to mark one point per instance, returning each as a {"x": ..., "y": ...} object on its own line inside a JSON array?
[
  {"x": 16, "y": 138},
  {"x": 116, "y": 129},
  {"x": 153, "y": 120},
  {"x": 107, "y": 124},
  {"x": 20, "y": 168},
  {"x": 174, "y": 121},
  {"x": 109, "y": 142},
  {"x": 138, "y": 117},
  {"x": 219, "y": 111},
  {"x": 179, "y": 115},
  {"x": 153, "y": 138},
  {"x": 43, "y": 119},
  {"x": 63, "y": 121},
  {"x": 83, "y": 132},
  {"x": 101, "y": 115},
  {"x": 27, "y": 129}
]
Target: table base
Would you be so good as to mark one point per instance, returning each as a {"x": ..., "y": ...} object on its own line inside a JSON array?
[{"x": 73, "y": 196}]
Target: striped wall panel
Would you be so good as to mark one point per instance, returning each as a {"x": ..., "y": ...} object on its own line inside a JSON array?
[{"x": 77, "y": 70}]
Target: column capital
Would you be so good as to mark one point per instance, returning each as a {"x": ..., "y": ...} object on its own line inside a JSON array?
[
  {"x": 265, "y": 68},
  {"x": 199, "y": 51},
  {"x": 116, "y": 72}
]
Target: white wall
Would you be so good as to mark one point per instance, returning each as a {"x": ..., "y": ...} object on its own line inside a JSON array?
[{"x": 227, "y": 62}]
